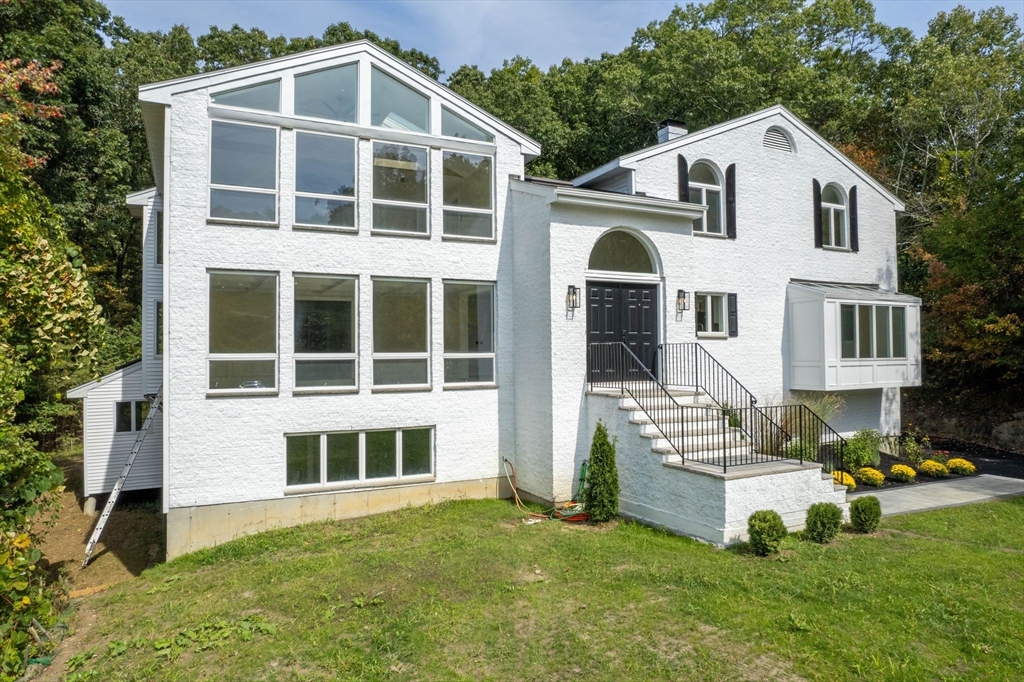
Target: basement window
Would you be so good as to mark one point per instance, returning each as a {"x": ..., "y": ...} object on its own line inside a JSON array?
[{"x": 315, "y": 461}]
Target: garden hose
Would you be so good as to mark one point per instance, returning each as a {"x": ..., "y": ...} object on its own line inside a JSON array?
[{"x": 571, "y": 511}]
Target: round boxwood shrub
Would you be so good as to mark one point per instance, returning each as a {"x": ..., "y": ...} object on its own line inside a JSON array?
[
  {"x": 766, "y": 531},
  {"x": 824, "y": 520},
  {"x": 865, "y": 513}
]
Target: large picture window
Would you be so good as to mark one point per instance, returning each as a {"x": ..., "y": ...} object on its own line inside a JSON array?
[
  {"x": 872, "y": 331},
  {"x": 325, "y": 332},
  {"x": 330, "y": 93},
  {"x": 468, "y": 333},
  {"x": 349, "y": 458},
  {"x": 400, "y": 188},
  {"x": 706, "y": 188},
  {"x": 395, "y": 105},
  {"x": 710, "y": 314},
  {"x": 401, "y": 332},
  {"x": 468, "y": 206},
  {"x": 833, "y": 218},
  {"x": 243, "y": 172},
  {"x": 325, "y": 180},
  {"x": 243, "y": 332}
]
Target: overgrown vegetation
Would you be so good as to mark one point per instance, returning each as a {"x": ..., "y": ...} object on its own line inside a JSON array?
[
  {"x": 862, "y": 449},
  {"x": 601, "y": 495}
]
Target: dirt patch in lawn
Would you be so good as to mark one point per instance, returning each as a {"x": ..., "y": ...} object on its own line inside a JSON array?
[{"x": 132, "y": 541}]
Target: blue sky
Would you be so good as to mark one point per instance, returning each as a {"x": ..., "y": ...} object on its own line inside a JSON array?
[{"x": 481, "y": 32}]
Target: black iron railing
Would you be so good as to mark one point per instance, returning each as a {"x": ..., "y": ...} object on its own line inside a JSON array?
[{"x": 730, "y": 431}]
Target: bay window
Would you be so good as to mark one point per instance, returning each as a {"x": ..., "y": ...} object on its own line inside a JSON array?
[
  {"x": 872, "y": 331},
  {"x": 468, "y": 207},
  {"x": 325, "y": 180},
  {"x": 242, "y": 353},
  {"x": 401, "y": 332},
  {"x": 243, "y": 172},
  {"x": 468, "y": 333},
  {"x": 349, "y": 458},
  {"x": 325, "y": 332},
  {"x": 400, "y": 188}
]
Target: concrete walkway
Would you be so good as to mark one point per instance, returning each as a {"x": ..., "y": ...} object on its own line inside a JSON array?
[{"x": 927, "y": 496}]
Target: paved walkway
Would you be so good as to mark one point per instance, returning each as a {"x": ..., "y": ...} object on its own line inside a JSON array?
[{"x": 925, "y": 496}]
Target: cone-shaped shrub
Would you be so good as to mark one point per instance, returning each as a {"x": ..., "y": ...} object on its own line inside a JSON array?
[
  {"x": 766, "y": 531},
  {"x": 824, "y": 520},
  {"x": 865, "y": 513},
  {"x": 601, "y": 497}
]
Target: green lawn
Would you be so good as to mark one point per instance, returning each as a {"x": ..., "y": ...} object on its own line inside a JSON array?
[{"x": 468, "y": 591}]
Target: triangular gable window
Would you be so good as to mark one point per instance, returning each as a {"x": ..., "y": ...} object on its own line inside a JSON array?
[
  {"x": 330, "y": 93},
  {"x": 397, "y": 106},
  {"x": 265, "y": 97},
  {"x": 454, "y": 125}
]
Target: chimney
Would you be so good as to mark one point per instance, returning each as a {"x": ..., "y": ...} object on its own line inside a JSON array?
[{"x": 670, "y": 129}]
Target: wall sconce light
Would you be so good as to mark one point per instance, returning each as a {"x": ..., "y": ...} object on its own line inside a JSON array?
[
  {"x": 682, "y": 301},
  {"x": 572, "y": 298}
]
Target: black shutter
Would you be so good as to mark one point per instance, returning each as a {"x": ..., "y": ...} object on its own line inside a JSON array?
[
  {"x": 684, "y": 179},
  {"x": 854, "y": 238},
  {"x": 817, "y": 215},
  {"x": 734, "y": 329},
  {"x": 730, "y": 201}
]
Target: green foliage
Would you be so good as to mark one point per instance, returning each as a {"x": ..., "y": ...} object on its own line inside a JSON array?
[
  {"x": 862, "y": 449},
  {"x": 601, "y": 496},
  {"x": 802, "y": 449},
  {"x": 911, "y": 450},
  {"x": 824, "y": 519},
  {"x": 865, "y": 513},
  {"x": 766, "y": 531},
  {"x": 24, "y": 596}
]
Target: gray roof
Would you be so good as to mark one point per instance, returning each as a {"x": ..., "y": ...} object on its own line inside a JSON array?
[{"x": 859, "y": 292}]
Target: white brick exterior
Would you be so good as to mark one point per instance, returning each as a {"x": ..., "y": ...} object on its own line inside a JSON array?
[{"x": 230, "y": 450}]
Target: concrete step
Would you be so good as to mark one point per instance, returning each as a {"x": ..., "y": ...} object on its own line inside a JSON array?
[
  {"x": 686, "y": 429},
  {"x": 665, "y": 403},
  {"x": 661, "y": 446},
  {"x": 716, "y": 441}
]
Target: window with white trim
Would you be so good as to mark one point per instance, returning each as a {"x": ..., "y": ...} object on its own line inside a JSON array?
[
  {"x": 710, "y": 314},
  {"x": 468, "y": 192},
  {"x": 242, "y": 353},
  {"x": 706, "y": 189},
  {"x": 325, "y": 180},
  {"x": 158, "y": 329},
  {"x": 401, "y": 332},
  {"x": 264, "y": 97},
  {"x": 328, "y": 93},
  {"x": 468, "y": 333},
  {"x": 395, "y": 105},
  {"x": 872, "y": 332},
  {"x": 129, "y": 415},
  {"x": 159, "y": 237},
  {"x": 325, "y": 332},
  {"x": 833, "y": 218},
  {"x": 400, "y": 188},
  {"x": 243, "y": 172},
  {"x": 349, "y": 458},
  {"x": 453, "y": 125}
]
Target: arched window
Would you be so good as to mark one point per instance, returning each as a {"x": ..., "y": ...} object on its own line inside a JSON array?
[
  {"x": 706, "y": 188},
  {"x": 833, "y": 218},
  {"x": 620, "y": 251}
]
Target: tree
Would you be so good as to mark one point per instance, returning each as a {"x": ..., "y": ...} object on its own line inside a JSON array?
[{"x": 601, "y": 497}]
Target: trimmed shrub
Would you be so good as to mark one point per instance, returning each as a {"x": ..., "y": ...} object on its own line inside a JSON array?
[
  {"x": 961, "y": 466},
  {"x": 601, "y": 496},
  {"x": 930, "y": 467},
  {"x": 766, "y": 531},
  {"x": 843, "y": 478},
  {"x": 869, "y": 476},
  {"x": 824, "y": 520},
  {"x": 865, "y": 513},
  {"x": 902, "y": 473},
  {"x": 862, "y": 449}
]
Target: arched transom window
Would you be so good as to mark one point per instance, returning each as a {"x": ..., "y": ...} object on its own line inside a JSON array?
[
  {"x": 620, "y": 251},
  {"x": 706, "y": 188},
  {"x": 833, "y": 218}
]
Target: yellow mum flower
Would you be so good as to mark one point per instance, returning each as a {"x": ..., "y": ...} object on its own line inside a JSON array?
[
  {"x": 843, "y": 478},
  {"x": 901, "y": 472},
  {"x": 869, "y": 476},
  {"x": 930, "y": 467},
  {"x": 961, "y": 466}
]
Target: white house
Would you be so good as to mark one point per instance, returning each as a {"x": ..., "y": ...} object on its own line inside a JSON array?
[{"x": 354, "y": 300}]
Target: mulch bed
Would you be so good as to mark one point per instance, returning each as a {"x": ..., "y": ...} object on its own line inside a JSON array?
[{"x": 987, "y": 461}]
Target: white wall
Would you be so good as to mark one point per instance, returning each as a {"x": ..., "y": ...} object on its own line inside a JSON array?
[
  {"x": 232, "y": 449},
  {"x": 106, "y": 451}
]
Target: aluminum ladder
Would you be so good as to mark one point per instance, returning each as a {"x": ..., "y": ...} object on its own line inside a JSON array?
[{"x": 154, "y": 407}]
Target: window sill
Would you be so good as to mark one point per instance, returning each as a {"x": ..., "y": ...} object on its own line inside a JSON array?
[
  {"x": 469, "y": 387},
  {"x": 242, "y": 223},
  {"x": 299, "y": 227},
  {"x": 340, "y": 390},
  {"x": 403, "y": 388},
  {"x": 369, "y": 484},
  {"x": 840, "y": 249},
  {"x": 241, "y": 394},
  {"x": 399, "y": 233},
  {"x": 477, "y": 240},
  {"x": 710, "y": 235},
  {"x": 711, "y": 335}
]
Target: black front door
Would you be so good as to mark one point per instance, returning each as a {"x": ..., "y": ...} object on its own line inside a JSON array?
[{"x": 621, "y": 312}]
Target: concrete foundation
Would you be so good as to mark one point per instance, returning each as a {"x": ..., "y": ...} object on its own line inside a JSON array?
[{"x": 192, "y": 528}]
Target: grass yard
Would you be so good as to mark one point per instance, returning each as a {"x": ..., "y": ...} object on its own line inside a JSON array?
[{"x": 466, "y": 590}]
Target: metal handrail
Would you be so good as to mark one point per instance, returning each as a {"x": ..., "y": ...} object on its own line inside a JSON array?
[{"x": 681, "y": 364}]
